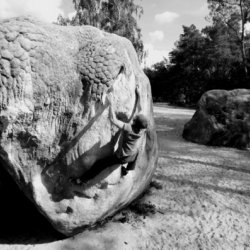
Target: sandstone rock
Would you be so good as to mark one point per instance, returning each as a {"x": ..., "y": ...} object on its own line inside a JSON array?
[
  {"x": 222, "y": 119},
  {"x": 54, "y": 125}
]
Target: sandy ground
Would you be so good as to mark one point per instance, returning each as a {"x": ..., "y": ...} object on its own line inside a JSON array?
[{"x": 199, "y": 199}]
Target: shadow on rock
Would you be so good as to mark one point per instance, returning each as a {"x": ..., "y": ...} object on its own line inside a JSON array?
[{"x": 21, "y": 223}]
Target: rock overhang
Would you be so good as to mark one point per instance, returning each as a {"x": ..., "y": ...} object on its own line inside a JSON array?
[{"x": 53, "y": 118}]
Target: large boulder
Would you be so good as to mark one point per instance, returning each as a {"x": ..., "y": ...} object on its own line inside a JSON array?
[
  {"x": 221, "y": 119},
  {"x": 54, "y": 122}
]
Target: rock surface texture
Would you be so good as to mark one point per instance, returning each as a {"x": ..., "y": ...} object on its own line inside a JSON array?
[
  {"x": 222, "y": 119},
  {"x": 54, "y": 123}
]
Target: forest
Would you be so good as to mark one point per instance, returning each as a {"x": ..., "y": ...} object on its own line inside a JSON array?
[{"x": 216, "y": 57}]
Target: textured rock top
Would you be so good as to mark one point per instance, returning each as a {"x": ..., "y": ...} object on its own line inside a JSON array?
[
  {"x": 100, "y": 64},
  {"x": 54, "y": 123}
]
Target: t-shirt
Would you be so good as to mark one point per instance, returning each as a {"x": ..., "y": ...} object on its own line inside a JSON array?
[{"x": 128, "y": 142}]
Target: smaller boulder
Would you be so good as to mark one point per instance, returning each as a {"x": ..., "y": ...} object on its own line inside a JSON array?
[{"x": 221, "y": 119}]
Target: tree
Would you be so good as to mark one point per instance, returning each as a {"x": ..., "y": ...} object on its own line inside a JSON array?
[
  {"x": 200, "y": 61},
  {"x": 189, "y": 51},
  {"x": 158, "y": 76},
  {"x": 217, "y": 57},
  {"x": 88, "y": 12},
  {"x": 234, "y": 14},
  {"x": 190, "y": 64},
  {"x": 114, "y": 16},
  {"x": 224, "y": 55}
]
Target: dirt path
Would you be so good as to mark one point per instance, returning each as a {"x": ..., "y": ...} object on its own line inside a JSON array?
[
  {"x": 207, "y": 189},
  {"x": 199, "y": 199}
]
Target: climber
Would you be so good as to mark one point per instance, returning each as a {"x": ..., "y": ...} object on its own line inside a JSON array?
[{"x": 127, "y": 151}]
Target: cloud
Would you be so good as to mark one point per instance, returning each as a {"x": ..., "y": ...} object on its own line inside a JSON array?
[
  {"x": 202, "y": 11},
  {"x": 154, "y": 55},
  {"x": 45, "y": 10},
  {"x": 166, "y": 17},
  {"x": 71, "y": 14},
  {"x": 247, "y": 28},
  {"x": 157, "y": 35}
]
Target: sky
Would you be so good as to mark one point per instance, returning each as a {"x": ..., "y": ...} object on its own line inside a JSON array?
[{"x": 161, "y": 22}]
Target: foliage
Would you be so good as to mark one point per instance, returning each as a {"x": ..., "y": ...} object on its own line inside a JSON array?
[
  {"x": 201, "y": 60},
  {"x": 114, "y": 16},
  {"x": 217, "y": 57},
  {"x": 234, "y": 14},
  {"x": 157, "y": 76}
]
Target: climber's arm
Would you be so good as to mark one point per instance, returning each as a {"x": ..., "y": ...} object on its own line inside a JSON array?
[
  {"x": 138, "y": 98},
  {"x": 113, "y": 118}
]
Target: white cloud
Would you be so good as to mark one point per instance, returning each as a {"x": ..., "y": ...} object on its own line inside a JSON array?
[
  {"x": 154, "y": 55},
  {"x": 166, "y": 17},
  {"x": 45, "y": 10},
  {"x": 247, "y": 27},
  {"x": 157, "y": 35},
  {"x": 71, "y": 14}
]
